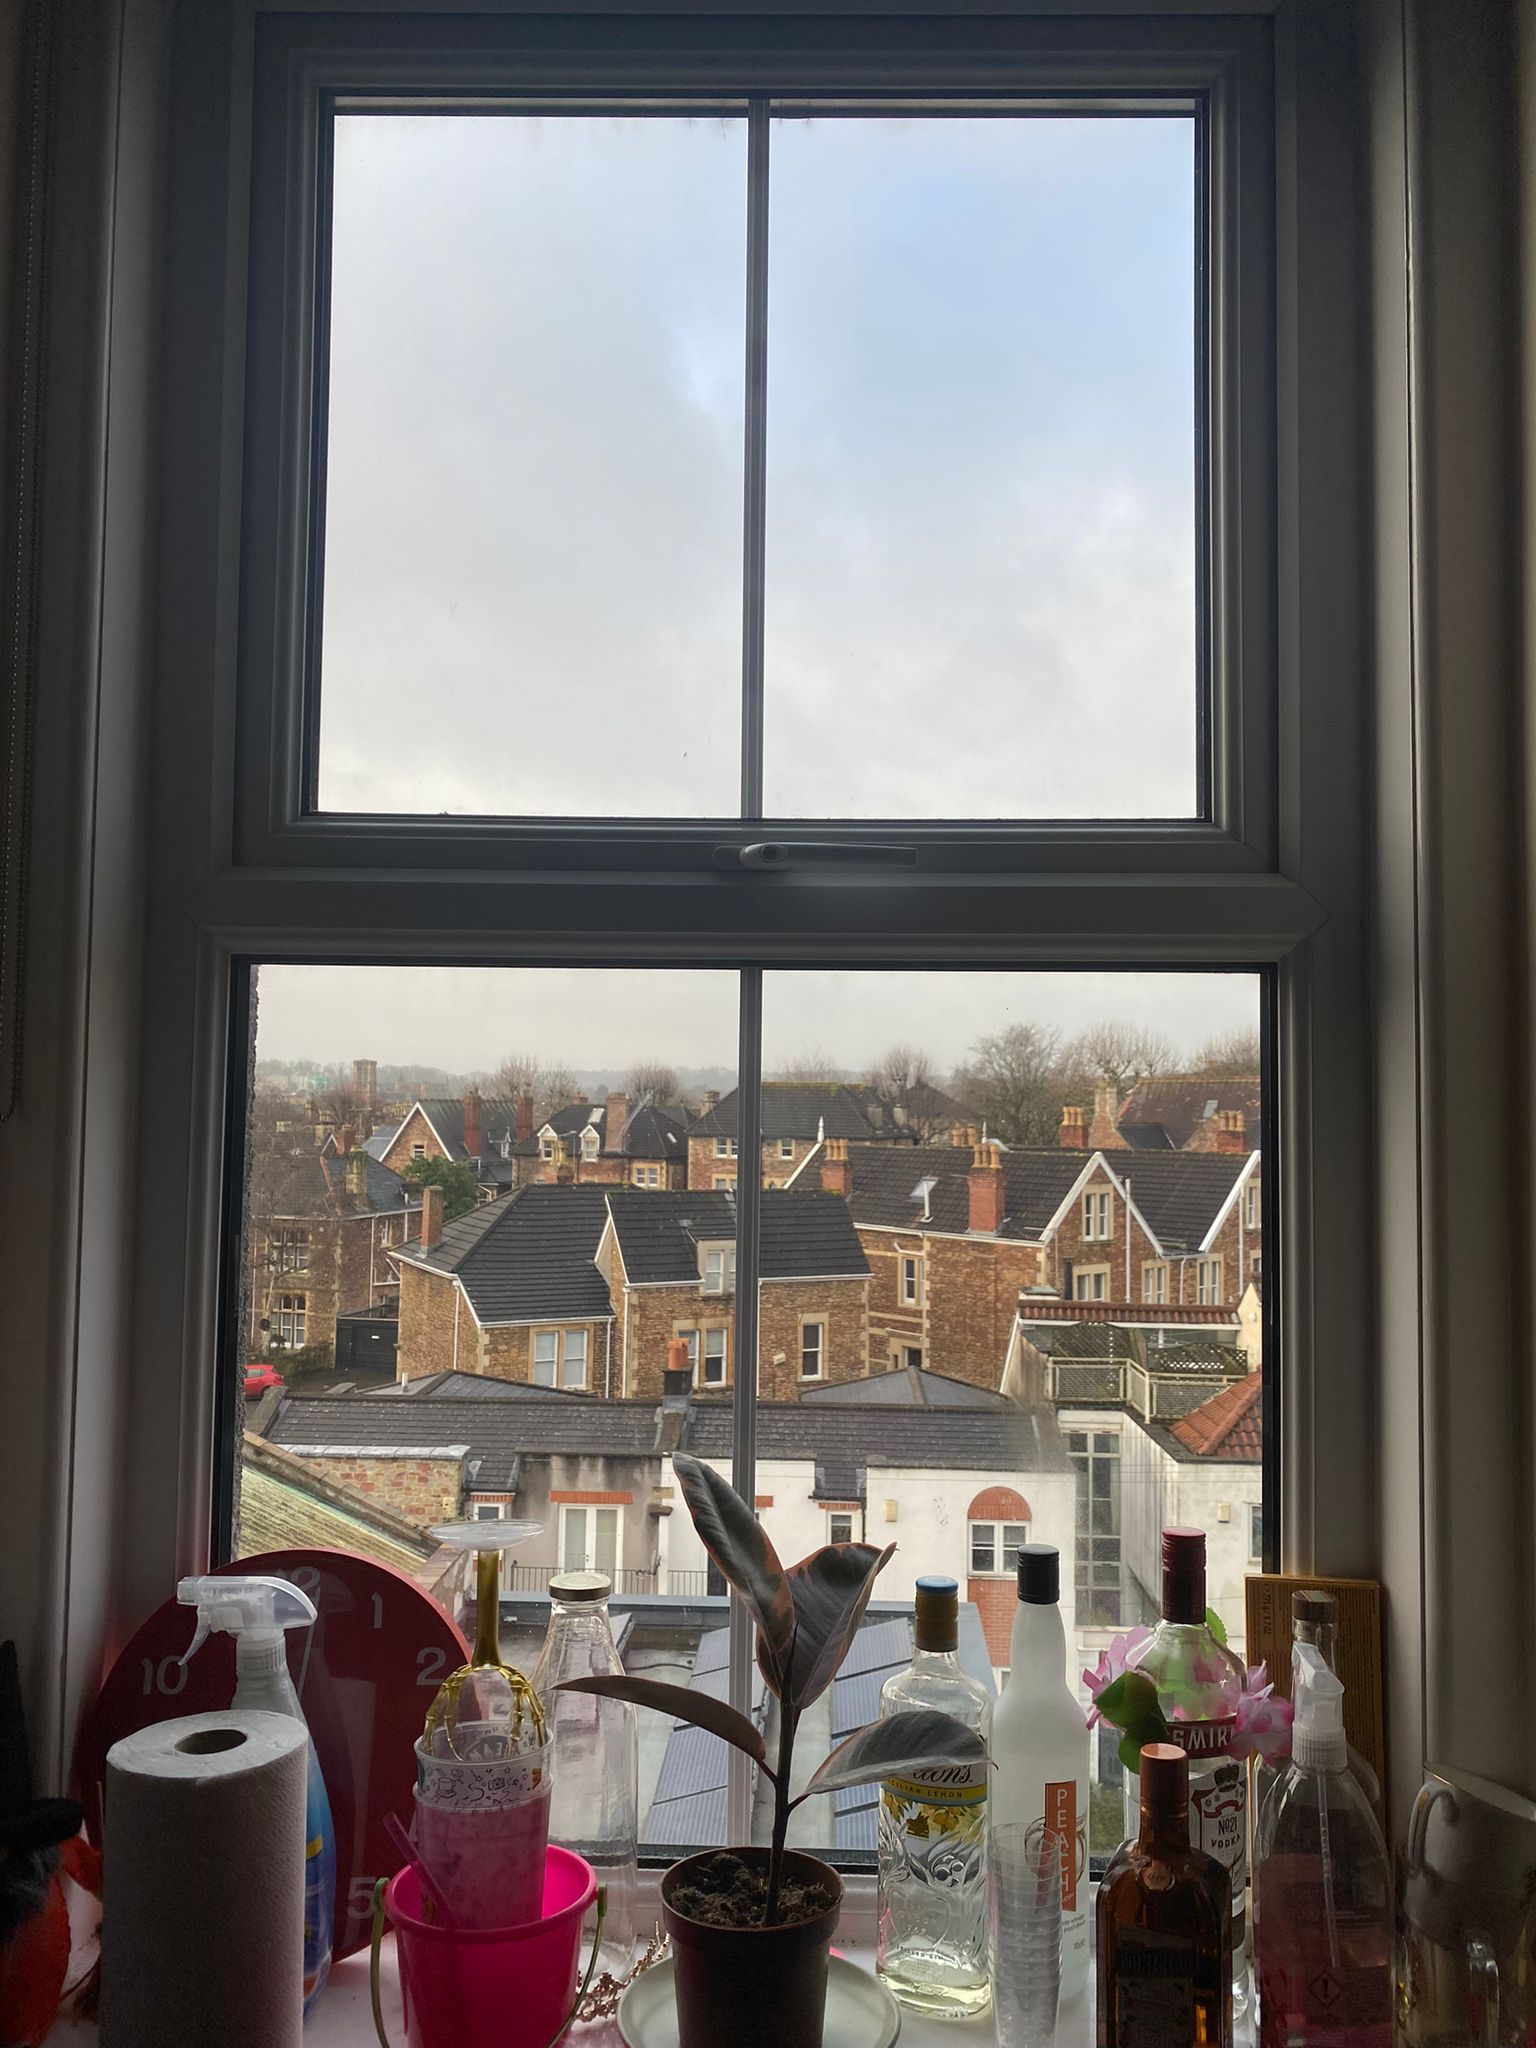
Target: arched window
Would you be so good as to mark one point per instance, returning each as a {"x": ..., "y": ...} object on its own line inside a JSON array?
[{"x": 999, "y": 1521}]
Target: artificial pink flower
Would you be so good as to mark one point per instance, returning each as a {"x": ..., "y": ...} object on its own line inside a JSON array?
[
  {"x": 1112, "y": 1664},
  {"x": 1263, "y": 1723}
]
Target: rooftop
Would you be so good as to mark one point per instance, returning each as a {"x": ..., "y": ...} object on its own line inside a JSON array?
[
  {"x": 1229, "y": 1425},
  {"x": 804, "y": 1235},
  {"x": 1163, "y": 1114}
]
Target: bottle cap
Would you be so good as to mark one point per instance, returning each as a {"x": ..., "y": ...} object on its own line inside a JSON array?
[
  {"x": 1165, "y": 1788},
  {"x": 1313, "y": 1607},
  {"x": 1184, "y": 1574},
  {"x": 1039, "y": 1574},
  {"x": 580, "y": 1586},
  {"x": 936, "y": 1614}
]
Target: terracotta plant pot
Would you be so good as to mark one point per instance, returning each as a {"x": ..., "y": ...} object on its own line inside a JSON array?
[{"x": 751, "y": 1987}]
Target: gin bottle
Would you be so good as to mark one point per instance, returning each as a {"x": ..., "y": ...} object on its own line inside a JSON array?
[
  {"x": 1199, "y": 1683},
  {"x": 931, "y": 1943}
]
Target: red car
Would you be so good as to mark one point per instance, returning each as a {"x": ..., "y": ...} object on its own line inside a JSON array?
[{"x": 260, "y": 1378}]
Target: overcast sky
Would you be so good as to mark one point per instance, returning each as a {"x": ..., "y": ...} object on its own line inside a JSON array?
[
  {"x": 980, "y": 552},
  {"x": 466, "y": 1019}
]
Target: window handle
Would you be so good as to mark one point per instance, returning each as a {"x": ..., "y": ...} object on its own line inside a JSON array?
[{"x": 814, "y": 853}]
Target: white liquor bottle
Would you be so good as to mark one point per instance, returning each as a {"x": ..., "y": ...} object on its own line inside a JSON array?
[
  {"x": 1040, "y": 1749},
  {"x": 931, "y": 1941}
]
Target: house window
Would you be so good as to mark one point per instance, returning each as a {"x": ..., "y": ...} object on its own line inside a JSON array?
[
  {"x": 691, "y": 1339},
  {"x": 714, "y": 1358},
  {"x": 647, "y": 1176},
  {"x": 1251, "y": 1206},
  {"x": 292, "y": 1247},
  {"x": 725, "y": 1148},
  {"x": 418, "y": 1151},
  {"x": 1208, "y": 1283},
  {"x": 546, "y": 1358},
  {"x": 1095, "y": 1457},
  {"x": 912, "y": 1357},
  {"x": 911, "y": 1279},
  {"x": 560, "y": 1358},
  {"x": 591, "y": 1539},
  {"x": 995, "y": 1547},
  {"x": 292, "y": 1320},
  {"x": 786, "y": 1148},
  {"x": 1090, "y": 1283},
  {"x": 719, "y": 1269},
  {"x": 489, "y": 1511},
  {"x": 573, "y": 1368},
  {"x": 1154, "y": 1281},
  {"x": 1097, "y": 1213},
  {"x": 546, "y": 1148},
  {"x": 1255, "y": 1531},
  {"x": 813, "y": 1344},
  {"x": 723, "y": 1183},
  {"x": 840, "y": 1528},
  {"x": 589, "y": 1143}
]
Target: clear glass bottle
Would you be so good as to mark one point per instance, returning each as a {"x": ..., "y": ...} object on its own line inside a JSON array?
[
  {"x": 931, "y": 1941},
  {"x": 1323, "y": 1920},
  {"x": 594, "y": 1804},
  {"x": 1199, "y": 1683},
  {"x": 1164, "y": 1921}
]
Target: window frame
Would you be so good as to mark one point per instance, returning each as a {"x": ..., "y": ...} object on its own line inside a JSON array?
[
  {"x": 708, "y": 1355},
  {"x": 997, "y": 1546},
  {"x": 1098, "y": 1216},
  {"x": 909, "y": 1281},
  {"x": 252, "y": 879},
  {"x": 819, "y": 1325}
]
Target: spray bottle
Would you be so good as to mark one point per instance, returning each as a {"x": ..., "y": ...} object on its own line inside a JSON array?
[
  {"x": 1323, "y": 1887},
  {"x": 256, "y": 1612}
]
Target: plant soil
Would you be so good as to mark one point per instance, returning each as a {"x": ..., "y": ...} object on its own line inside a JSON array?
[{"x": 730, "y": 1893}]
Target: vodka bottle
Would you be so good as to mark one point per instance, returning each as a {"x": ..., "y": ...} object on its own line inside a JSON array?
[
  {"x": 594, "y": 1804},
  {"x": 1199, "y": 1683},
  {"x": 1040, "y": 1748},
  {"x": 931, "y": 1943}
]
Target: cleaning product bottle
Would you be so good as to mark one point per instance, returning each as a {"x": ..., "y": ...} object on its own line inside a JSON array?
[
  {"x": 1323, "y": 1892},
  {"x": 255, "y": 1612}
]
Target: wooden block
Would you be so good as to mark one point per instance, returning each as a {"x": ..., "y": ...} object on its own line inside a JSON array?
[{"x": 1359, "y": 1650}]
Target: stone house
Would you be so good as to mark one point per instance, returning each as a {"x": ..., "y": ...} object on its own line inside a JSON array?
[
  {"x": 469, "y": 1130},
  {"x": 798, "y": 1116},
  {"x": 320, "y": 1235},
  {"x": 1169, "y": 1113},
  {"x": 606, "y": 1144}
]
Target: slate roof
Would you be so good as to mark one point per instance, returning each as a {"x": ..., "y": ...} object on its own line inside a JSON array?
[
  {"x": 528, "y": 1256},
  {"x": 908, "y": 1386},
  {"x": 805, "y": 1235},
  {"x": 1165, "y": 1113},
  {"x": 445, "y": 1113},
  {"x": 793, "y": 1109},
  {"x": 309, "y": 1184},
  {"x": 469, "y": 1386},
  {"x": 1181, "y": 1193},
  {"x": 1229, "y": 1425},
  {"x": 968, "y": 1439},
  {"x": 653, "y": 1131},
  {"x": 885, "y": 1183}
]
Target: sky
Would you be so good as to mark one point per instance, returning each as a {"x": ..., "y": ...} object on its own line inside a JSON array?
[
  {"x": 980, "y": 479},
  {"x": 467, "y": 1019}
]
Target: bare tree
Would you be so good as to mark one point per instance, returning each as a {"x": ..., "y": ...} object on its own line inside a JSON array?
[
  {"x": 652, "y": 1081},
  {"x": 520, "y": 1073},
  {"x": 905, "y": 1083},
  {"x": 1122, "y": 1053},
  {"x": 1016, "y": 1082},
  {"x": 1232, "y": 1055},
  {"x": 346, "y": 1109},
  {"x": 808, "y": 1066}
]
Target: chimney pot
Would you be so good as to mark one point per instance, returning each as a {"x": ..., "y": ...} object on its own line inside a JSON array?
[
  {"x": 985, "y": 1188},
  {"x": 836, "y": 1171},
  {"x": 1231, "y": 1131},
  {"x": 431, "y": 1217},
  {"x": 1074, "y": 1129}
]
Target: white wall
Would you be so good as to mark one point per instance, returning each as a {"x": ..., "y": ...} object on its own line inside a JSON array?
[{"x": 1158, "y": 1490}]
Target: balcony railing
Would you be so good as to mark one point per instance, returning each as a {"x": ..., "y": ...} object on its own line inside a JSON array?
[{"x": 535, "y": 1578}]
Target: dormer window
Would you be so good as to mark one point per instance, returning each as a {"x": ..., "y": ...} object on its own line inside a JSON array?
[
  {"x": 589, "y": 1143},
  {"x": 718, "y": 1265}
]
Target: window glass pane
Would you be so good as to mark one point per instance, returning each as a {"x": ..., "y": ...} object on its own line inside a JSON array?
[
  {"x": 533, "y": 517},
  {"x": 575, "y": 1550},
  {"x": 981, "y": 468}
]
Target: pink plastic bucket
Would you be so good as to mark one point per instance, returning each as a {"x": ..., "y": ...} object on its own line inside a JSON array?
[{"x": 503, "y": 1987}]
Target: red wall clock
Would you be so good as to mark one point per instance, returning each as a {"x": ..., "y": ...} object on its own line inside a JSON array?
[{"x": 365, "y": 1674}]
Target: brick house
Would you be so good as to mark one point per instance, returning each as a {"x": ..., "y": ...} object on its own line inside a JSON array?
[
  {"x": 798, "y": 1116},
  {"x": 606, "y": 1144},
  {"x": 671, "y": 1261},
  {"x": 583, "y": 1288},
  {"x": 1170, "y": 1113},
  {"x": 954, "y": 1234},
  {"x": 319, "y": 1238},
  {"x": 469, "y": 1130}
]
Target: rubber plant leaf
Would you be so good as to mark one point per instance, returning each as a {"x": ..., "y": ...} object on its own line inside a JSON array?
[
  {"x": 683, "y": 1704},
  {"x": 739, "y": 1545},
  {"x": 921, "y": 1740},
  {"x": 831, "y": 1590},
  {"x": 1216, "y": 1625},
  {"x": 1129, "y": 1701}
]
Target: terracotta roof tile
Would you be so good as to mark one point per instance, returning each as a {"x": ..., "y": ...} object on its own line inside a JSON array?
[{"x": 1229, "y": 1425}]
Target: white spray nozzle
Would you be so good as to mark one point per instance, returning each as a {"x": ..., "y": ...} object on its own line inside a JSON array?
[
  {"x": 244, "y": 1607},
  {"x": 1317, "y": 1734}
]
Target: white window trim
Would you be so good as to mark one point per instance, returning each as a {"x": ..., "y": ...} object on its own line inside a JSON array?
[
  {"x": 998, "y": 1569},
  {"x": 585, "y": 1507},
  {"x": 1098, "y": 1216},
  {"x": 819, "y": 1325},
  {"x": 1155, "y": 1269},
  {"x": 707, "y": 1357},
  {"x": 909, "y": 1281}
]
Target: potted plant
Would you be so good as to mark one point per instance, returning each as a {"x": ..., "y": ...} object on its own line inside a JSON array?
[{"x": 750, "y": 1927}]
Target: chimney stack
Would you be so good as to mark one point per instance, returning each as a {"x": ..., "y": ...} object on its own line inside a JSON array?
[
  {"x": 1231, "y": 1131},
  {"x": 346, "y": 1138},
  {"x": 1105, "y": 1128},
  {"x": 524, "y": 1118},
  {"x": 365, "y": 1080},
  {"x": 431, "y": 1217},
  {"x": 615, "y": 1117},
  {"x": 472, "y": 1136},
  {"x": 836, "y": 1175},
  {"x": 357, "y": 1175},
  {"x": 1074, "y": 1129},
  {"x": 985, "y": 1182}
]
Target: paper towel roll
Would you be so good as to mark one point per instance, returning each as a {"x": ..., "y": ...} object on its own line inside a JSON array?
[{"x": 202, "y": 1923}]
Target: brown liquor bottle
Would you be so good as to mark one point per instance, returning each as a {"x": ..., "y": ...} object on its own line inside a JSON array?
[{"x": 1164, "y": 1926}]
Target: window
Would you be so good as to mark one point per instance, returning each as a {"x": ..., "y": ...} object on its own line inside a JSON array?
[
  {"x": 813, "y": 1345},
  {"x": 1095, "y": 1456},
  {"x": 714, "y": 1358},
  {"x": 574, "y": 1363},
  {"x": 560, "y": 1358},
  {"x": 546, "y": 1358},
  {"x": 719, "y": 1269},
  {"x": 589, "y": 1143},
  {"x": 291, "y": 1248},
  {"x": 1256, "y": 1531},
  {"x": 691, "y": 1339},
  {"x": 1090, "y": 1283},
  {"x": 995, "y": 1547},
  {"x": 839, "y": 1528},
  {"x": 911, "y": 1279},
  {"x": 292, "y": 1321},
  {"x": 546, "y": 1146},
  {"x": 786, "y": 1148},
  {"x": 1208, "y": 1282},
  {"x": 418, "y": 1151},
  {"x": 725, "y": 1148},
  {"x": 647, "y": 1177},
  {"x": 1097, "y": 1215},
  {"x": 591, "y": 1539},
  {"x": 489, "y": 1511},
  {"x": 1154, "y": 1281},
  {"x": 1251, "y": 1206},
  {"x": 912, "y": 1357}
]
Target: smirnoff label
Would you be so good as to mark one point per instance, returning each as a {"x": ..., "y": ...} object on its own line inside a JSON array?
[{"x": 1218, "y": 1796}]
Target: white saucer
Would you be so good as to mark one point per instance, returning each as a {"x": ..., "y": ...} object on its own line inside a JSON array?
[{"x": 861, "y": 2013}]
